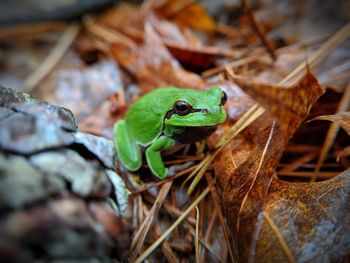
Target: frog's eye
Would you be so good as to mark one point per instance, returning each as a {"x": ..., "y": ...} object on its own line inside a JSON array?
[
  {"x": 182, "y": 108},
  {"x": 223, "y": 98}
]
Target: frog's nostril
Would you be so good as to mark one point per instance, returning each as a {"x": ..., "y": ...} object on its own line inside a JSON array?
[{"x": 205, "y": 111}]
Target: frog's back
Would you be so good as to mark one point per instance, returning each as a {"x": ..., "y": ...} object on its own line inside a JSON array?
[{"x": 145, "y": 117}]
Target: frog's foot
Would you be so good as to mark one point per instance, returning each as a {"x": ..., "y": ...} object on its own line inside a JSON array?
[
  {"x": 128, "y": 150},
  {"x": 153, "y": 157}
]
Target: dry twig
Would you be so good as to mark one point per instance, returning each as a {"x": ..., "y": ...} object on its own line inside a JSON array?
[{"x": 53, "y": 58}]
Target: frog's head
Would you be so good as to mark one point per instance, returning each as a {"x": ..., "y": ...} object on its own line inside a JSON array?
[
  {"x": 194, "y": 114},
  {"x": 197, "y": 108}
]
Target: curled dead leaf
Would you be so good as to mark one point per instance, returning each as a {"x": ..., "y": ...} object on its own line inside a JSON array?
[
  {"x": 187, "y": 13},
  {"x": 311, "y": 219},
  {"x": 289, "y": 105},
  {"x": 246, "y": 181},
  {"x": 343, "y": 119},
  {"x": 152, "y": 64}
]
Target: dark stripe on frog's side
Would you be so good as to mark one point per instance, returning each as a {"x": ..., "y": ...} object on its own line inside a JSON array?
[{"x": 190, "y": 134}]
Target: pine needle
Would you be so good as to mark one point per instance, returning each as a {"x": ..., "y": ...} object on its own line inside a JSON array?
[
  {"x": 302, "y": 174},
  {"x": 166, "y": 248},
  {"x": 105, "y": 33},
  {"x": 149, "y": 250},
  {"x": 259, "y": 29},
  {"x": 203, "y": 242},
  {"x": 200, "y": 174},
  {"x": 196, "y": 243},
  {"x": 53, "y": 58},
  {"x": 144, "y": 228},
  {"x": 30, "y": 29},
  {"x": 299, "y": 162},
  {"x": 319, "y": 55},
  {"x": 332, "y": 131},
  {"x": 252, "y": 114},
  {"x": 218, "y": 211},
  {"x": 198, "y": 168},
  {"x": 233, "y": 64},
  {"x": 168, "y": 179},
  {"x": 280, "y": 238}
]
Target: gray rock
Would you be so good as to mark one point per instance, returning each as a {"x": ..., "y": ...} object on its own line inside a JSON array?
[
  {"x": 121, "y": 192},
  {"x": 25, "y": 134},
  {"x": 85, "y": 177},
  {"x": 61, "y": 229},
  {"x": 21, "y": 184},
  {"x": 9, "y": 96},
  {"x": 54, "y": 186},
  {"x": 5, "y": 112},
  {"x": 101, "y": 147},
  {"x": 44, "y": 111}
]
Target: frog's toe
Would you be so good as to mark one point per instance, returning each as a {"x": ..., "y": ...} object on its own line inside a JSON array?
[
  {"x": 162, "y": 174},
  {"x": 160, "y": 171}
]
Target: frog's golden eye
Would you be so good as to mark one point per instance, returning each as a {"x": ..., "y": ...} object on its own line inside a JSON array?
[
  {"x": 182, "y": 108},
  {"x": 223, "y": 98}
]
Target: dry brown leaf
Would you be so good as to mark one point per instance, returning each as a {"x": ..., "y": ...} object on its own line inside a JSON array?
[
  {"x": 312, "y": 219},
  {"x": 197, "y": 58},
  {"x": 344, "y": 153},
  {"x": 187, "y": 13},
  {"x": 153, "y": 65},
  {"x": 343, "y": 119},
  {"x": 245, "y": 180},
  {"x": 245, "y": 185},
  {"x": 289, "y": 105},
  {"x": 332, "y": 130},
  {"x": 181, "y": 41},
  {"x": 121, "y": 15},
  {"x": 183, "y": 44},
  {"x": 186, "y": 47}
]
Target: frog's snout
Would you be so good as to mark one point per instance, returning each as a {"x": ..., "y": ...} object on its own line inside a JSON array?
[{"x": 213, "y": 110}]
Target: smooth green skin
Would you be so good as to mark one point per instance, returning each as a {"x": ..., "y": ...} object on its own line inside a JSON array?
[{"x": 145, "y": 124}]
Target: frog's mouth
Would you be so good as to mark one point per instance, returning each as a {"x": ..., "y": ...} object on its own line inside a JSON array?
[{"x": 191, "y": 134}]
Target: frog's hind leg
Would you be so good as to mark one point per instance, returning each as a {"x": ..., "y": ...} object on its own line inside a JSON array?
[
  {"x": 128, "y": 150},
  {"x": 153, "y": 157}
]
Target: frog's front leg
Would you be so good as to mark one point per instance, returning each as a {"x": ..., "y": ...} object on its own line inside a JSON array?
[
  {"x": 154, "y": 158},
  {"x": 128, "y": 150}
]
